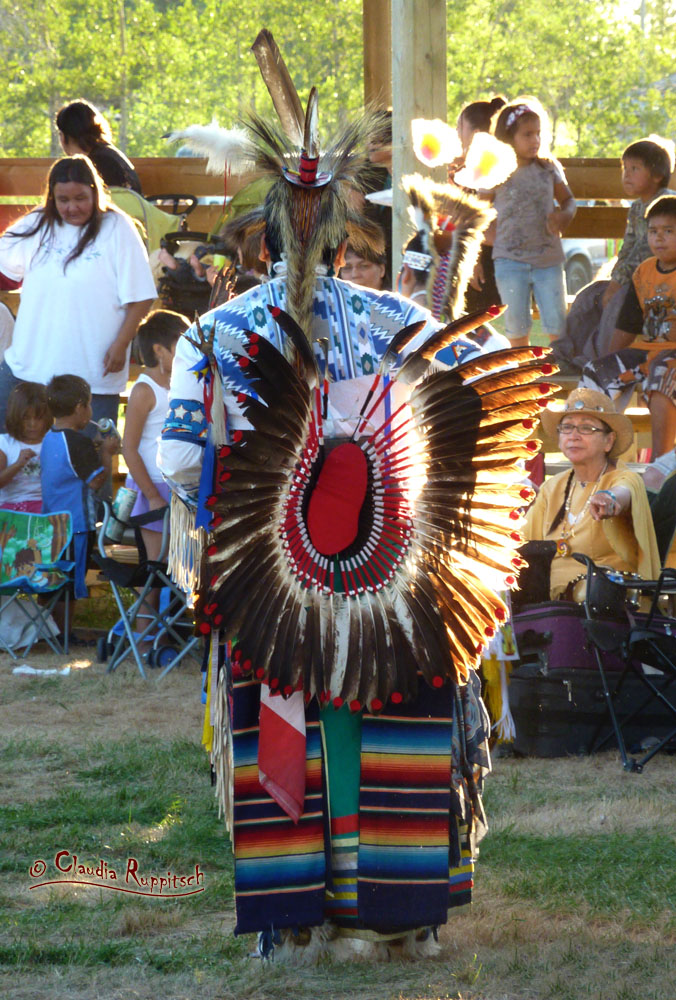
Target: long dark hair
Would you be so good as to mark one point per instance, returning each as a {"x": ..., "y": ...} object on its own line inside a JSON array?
[
  {"x": 78, "y": 170},
  {"x": 83, "y": 123}
]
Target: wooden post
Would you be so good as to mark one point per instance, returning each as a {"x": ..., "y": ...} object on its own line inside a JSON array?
[
  {"x": 377, "y": 35},
  {"x": 418, "y": 91}
]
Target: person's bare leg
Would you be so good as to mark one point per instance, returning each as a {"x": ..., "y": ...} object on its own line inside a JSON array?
[
  {"x": 519, "y": 341},
  {"x": 662, "y": 423}
]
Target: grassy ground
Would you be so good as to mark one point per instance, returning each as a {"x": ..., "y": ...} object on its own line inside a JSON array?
[{"x": 576, "y": 886}]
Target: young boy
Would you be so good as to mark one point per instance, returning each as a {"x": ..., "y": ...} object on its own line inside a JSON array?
[
  {"x": 72, "y": 467},
  {"x": 646, "y": 169},
  {"x": 643, "y": 346}
]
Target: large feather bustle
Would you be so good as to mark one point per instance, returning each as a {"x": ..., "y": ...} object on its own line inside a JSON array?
[
  {"x": 437, "y": 610},
  {"x": 456, "y": 257}
]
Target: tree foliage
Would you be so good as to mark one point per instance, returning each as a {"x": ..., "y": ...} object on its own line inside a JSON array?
[{"x": 603, "y": 69}]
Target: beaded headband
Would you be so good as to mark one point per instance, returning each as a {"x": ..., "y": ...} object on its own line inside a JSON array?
[
  {"x": 516, "y": 113},
  {"x": 418, "y": 261}
]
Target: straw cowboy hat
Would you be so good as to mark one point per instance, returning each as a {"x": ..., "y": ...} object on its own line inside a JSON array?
[{"x": 589, "y": 402}]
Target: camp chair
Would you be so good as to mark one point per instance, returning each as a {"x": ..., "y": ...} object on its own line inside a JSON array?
[
  {"x": 156, "y": 222},
  {"x": 31, "y": 546},
  {"x": 165, "y": 622},
  {"x": 647, "y": 646}
]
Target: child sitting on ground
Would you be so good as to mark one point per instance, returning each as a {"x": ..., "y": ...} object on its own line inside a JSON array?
[
  {"x": 646, "y": 326},
  {"x": 74, "y": 467},
  {"x": 156, "y": 339},
  {"x": 28, "y": 420}
]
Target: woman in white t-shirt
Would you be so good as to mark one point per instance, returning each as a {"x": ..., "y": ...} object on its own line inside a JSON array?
[
  {"x": 28, "y": 420},
  {"x": 86, "y": 285}
]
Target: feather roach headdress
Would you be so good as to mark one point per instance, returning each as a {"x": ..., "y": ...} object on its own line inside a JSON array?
[
  {"x": 452, "y": 223},
  {"x": 308, "y": 210}
]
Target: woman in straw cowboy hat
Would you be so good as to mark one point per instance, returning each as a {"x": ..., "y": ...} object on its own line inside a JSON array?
[{"x": 595, "y": 508}]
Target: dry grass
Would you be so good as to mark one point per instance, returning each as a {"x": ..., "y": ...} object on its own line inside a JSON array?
[{"x": 575, "y": 896}]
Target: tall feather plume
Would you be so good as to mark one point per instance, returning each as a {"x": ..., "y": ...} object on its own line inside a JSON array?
[{"x": 280, "y": 85}]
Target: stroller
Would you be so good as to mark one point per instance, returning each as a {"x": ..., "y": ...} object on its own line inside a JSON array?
[{"x": 168, "y": 628}]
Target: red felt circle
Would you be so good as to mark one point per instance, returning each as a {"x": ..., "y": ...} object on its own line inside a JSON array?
[{"x": 337, "y": 499}]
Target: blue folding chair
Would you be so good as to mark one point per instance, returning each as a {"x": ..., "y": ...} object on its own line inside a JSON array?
[{"x": 33, "y": 575}]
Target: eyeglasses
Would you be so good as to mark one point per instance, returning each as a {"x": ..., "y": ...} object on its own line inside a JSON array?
[{"x": 586, "y": 430}]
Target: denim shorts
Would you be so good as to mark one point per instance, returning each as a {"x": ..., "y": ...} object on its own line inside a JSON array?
[{"x": 516, "y": 281}]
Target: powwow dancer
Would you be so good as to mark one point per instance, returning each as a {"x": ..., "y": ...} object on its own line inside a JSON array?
[{"x": 354, "y": 507}]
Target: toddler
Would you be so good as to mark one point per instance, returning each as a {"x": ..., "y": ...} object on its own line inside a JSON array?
[
  {"x": 73, "y": 467},
  {"x": 28, "y": 419}
]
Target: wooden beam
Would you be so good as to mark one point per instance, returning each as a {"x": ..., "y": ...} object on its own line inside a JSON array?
[
  {"x": 377, "y": 35},
  {"x": 418, "y": 91}
]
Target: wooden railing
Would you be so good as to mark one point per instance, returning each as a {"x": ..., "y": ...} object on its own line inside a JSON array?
[{"x": 589, "y": 179}]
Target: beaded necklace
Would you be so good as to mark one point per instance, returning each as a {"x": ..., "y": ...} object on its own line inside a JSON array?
[{"x": 569, "y": 523}]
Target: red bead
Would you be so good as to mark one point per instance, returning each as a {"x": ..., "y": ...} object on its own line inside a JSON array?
[
  {"x": 274, "y": 683},
  {"x": 544, "y": 388},
  {"x": 515, "y": 536},
  {"x": 275, "y": 310},
  {"x": 246, "y": 665},
  {"x": 260, "y": 673},
  {"x": 253, "y": 351},
  {"x": 237, "y": 436},
  {"x": 532, "y": 445},
  {"x": 254, "y": 338},
  {"x": 242, "y": 397},
  {"x": 243, "y": 362},
  {"x": 500, "y": 614},
  {"x": 376, "y": 705},
  {"x": 205, "y": 628},
  {"x": 218, "y": 619},
  {"x": 287, "y": 690},
  {"x": 547, "y": 369},
  {"x": 489, "y": 631},
  {"x": 526, "y": 493},
  {"x": 237, "y": 655},
  {"x": 397, "y": 697},
  {"x": 437, "y": 681},
  {"x": 528, "y": 424},
  {"x": 514, "y": 515},
  {"x": 510, "y": 580},
  {"x": 212, "y": 550},
  {"x": 355, "y": 705},
  {"x": 337, "y": 702},
  {"x": 537, "y": 352},
  {"x": 494, "y": 310}
]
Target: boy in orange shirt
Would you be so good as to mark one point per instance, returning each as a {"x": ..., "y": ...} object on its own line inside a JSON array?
[{"x": 643, "y": 345}]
